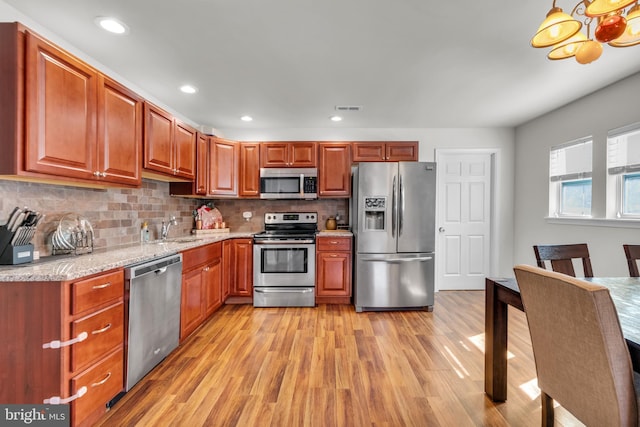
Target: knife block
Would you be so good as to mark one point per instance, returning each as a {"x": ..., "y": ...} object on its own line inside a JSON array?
[{"x": 11, "y": 255}]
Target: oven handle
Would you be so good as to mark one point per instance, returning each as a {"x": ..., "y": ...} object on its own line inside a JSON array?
[
  {"x": 284, "y": 242},
  {"x": 282, "y": 291}
]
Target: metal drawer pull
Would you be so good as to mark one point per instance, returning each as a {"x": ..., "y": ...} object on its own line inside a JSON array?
[
  {"x": 105, "y": 285},
  {"x": 333, "y": 242},
  {"x": 333, "y": 256},
  {"x": 57, "y": 343},
  {"x": 102, "y": 381},
  {"x": 99, "y": 331},
  {"x": 56, "y": 400}
]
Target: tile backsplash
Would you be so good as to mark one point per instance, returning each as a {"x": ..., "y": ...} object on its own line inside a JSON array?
[{"x": 117, "y": 214}]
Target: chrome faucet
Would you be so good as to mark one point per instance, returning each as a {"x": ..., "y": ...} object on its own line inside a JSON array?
[{"x": 165, "y": 227}]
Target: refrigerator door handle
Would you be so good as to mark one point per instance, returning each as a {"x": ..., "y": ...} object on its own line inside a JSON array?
[
  {"x": 399, "y": 260},
  {"x": 394, "y": 208},
  {"x": 400, "y": 208}
]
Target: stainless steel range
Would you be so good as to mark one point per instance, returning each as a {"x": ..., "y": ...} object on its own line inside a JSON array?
[{"x": 284, "y": 260}]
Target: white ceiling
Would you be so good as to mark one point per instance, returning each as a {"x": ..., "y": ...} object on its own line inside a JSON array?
[{"x": 288, "y": 63}]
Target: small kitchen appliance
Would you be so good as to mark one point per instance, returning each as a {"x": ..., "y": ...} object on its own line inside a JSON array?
[
  {"x": 284, "y": 260},
  {"x": 16, "y": 236}
]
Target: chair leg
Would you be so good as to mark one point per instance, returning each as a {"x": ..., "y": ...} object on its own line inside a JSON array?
[{"x": 547, "y": 409}]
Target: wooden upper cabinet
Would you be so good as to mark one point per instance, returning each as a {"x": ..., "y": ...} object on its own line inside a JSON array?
[
  {"x": 119, "y": 151},
  {"x": 288, "y": 154},
  {"x": 402, "y": 151},
  {"x": 202, "y": 164},
  {"x": 249, "y": 170},
  {"x": 79, "y": 123},
  {"x": 61, "y": 102},
  {"x": 376, "y": 151},
  {"x": 158, "y": 139},
  {"x": 185, "y": 138},
  {"x": 169, "y": 146},
  {"x": 334, "y": 169},
  {"x": 223, "y": 167}
]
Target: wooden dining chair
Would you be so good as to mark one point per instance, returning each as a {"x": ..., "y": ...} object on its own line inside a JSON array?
[
  {"x": 633, "y": 255},
  {"x": 562, "y": 256},
  {"x": 581, "y": 357}
]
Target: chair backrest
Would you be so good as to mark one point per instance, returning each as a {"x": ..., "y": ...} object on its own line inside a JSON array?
[
  {"x": 633, "y": 255},
  {"x": 561, "y": 257},
  {"x": 581, "y": 357}
]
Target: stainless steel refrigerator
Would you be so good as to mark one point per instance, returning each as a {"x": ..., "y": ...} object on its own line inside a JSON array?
[{"x": 393, "y": 220}]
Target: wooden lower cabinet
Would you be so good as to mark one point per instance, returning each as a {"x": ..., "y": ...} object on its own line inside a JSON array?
[
  {"x": 238, "y": 271},
  {"x": 201, "y": 286},
  {"x": 242, "y": 285},
  {"x": 41, "y": 359},
  {"x": 333, "y": 270}
]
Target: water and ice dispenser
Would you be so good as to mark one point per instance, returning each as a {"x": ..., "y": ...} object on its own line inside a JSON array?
[{"x": 374, "y": 212}]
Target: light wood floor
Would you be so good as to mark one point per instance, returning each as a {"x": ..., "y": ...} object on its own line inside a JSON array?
[{"x": 331, "y": 366}]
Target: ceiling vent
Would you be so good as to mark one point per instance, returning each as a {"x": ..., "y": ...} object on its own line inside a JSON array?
[{"x": 348, "y": 107}]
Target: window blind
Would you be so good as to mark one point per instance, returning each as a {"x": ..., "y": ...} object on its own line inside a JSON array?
[
  {"x": 623, "y": 150},
  {"x": 571, "y": 161}
]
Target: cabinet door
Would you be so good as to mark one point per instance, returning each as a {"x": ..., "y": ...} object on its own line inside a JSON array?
[
  {"x": 223, "y": 167},
  {"x": 274, "y": 154},
  {"x": 249, "y": 170},
  {"x": 334, "y": 170},
  {"x": 158, "y": 140},
  {"x": 191, "y": 313},
  {"x": 184, "y": 140},
  {"x": 61, "y": 102},
  {"x": 202, "y": 162},
  {"x": 368, "y": 151},
  {"x": 402, "y": 151},
  {"x": 333, "y": 273},
  {"x": 212, "y": 280},
  {"x": 119, "y": 150},
  {"x": 302, "y": 154},
  {"x": 243, "y": 268},
  {"x": 227, "y": 268}
]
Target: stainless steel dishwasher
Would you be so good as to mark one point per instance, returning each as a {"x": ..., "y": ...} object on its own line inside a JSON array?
[{"x": 153, "y": 290}]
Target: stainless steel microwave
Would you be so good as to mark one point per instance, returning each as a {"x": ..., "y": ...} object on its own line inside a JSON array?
[{"x": 289, "y": 183}]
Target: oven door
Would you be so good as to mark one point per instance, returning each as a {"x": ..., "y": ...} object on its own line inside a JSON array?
[{"x": 284, "y": 265}]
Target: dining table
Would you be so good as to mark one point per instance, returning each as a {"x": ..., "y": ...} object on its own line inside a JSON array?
[{"x": 504, "y": 292}]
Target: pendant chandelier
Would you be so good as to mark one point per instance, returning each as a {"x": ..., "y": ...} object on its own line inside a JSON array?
[{"x": 614, "y": 25}]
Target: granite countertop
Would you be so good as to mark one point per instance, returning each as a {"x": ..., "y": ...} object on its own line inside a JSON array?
[
  {"x": 63, "y": 267},
  {"x": 337, "y": 233}
]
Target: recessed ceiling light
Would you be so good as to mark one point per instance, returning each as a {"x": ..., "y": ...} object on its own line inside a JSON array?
[
  {"x": 112, "y": 25},
  {"x": 188, "y": 89},
  {"x": 336, "y": 118},
  {"x": 246, "y": 118}
]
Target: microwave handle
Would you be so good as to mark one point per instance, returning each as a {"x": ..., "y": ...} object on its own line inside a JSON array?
[{"x": 301, "y": 185}]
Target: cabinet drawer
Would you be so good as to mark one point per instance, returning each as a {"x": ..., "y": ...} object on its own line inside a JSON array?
[
  {"x": 106, "y": 331},
  {"x": 333, "y": 244},
  {"x": 103, "y": 381},
  {"x": 194, "y": 257},
  {"x": 90, "y": 293}
]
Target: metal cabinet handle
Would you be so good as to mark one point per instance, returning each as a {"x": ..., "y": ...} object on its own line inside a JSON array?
[
  {"x": 104, "y": 285},
  {"x": 99, "y": 331},
  {"x": 102, "y": 381}
]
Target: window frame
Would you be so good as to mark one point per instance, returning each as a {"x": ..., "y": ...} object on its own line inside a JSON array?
[
  {"x": 616, "y": 176},
  {"x": 556, "y": 182}
]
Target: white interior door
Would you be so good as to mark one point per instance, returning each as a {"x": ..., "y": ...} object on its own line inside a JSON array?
[{"x": 464, "y": 220}]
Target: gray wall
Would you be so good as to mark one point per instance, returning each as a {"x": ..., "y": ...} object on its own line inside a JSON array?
[{"x": 608, "y": 108}]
